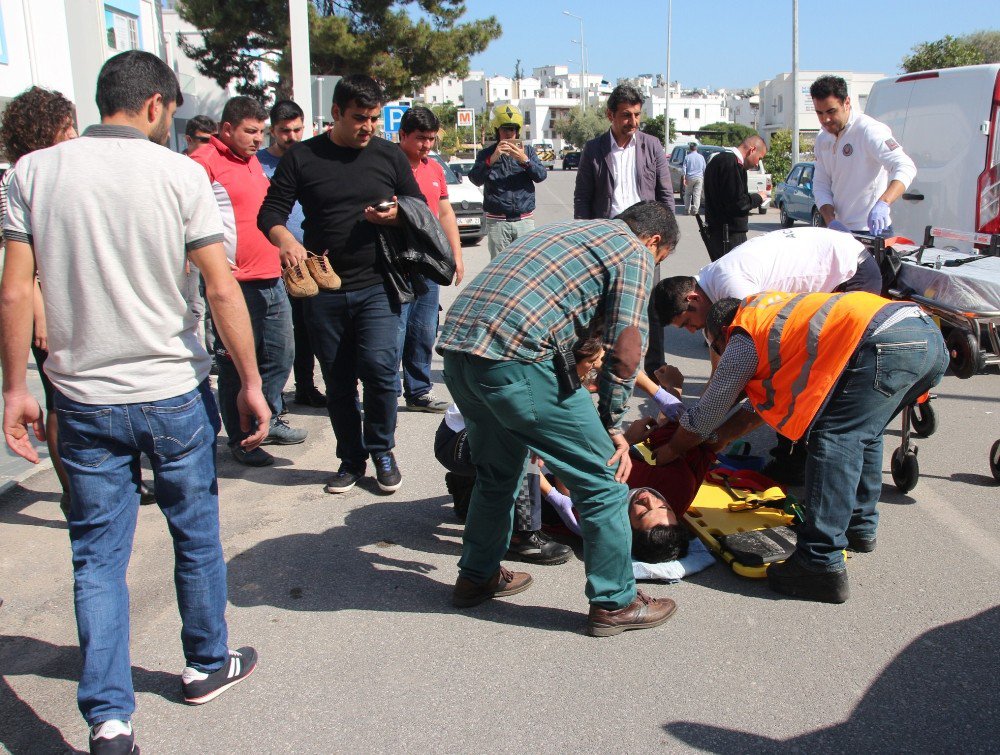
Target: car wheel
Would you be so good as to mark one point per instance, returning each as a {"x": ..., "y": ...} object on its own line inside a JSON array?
[
  {"x": 786, "y": 222},
  {"x": 816, "y": 220}
]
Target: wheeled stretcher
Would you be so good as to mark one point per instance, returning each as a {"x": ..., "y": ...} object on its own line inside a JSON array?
[{"x": 962, "y": 292}]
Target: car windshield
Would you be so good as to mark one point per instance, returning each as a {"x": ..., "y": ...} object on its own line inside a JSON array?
[{"x": 450, "y": 177}]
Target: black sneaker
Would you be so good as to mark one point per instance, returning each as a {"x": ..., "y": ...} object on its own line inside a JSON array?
[
  {"x": 345, "y": 479},
  {"x": 256, "y": 458},
  {"x": 791, "y": 578},
  {"x": 147, "y": 496},
  {"x": 113, "y": 738},
  {"x": 200, "y": 687},
  {"x": 387, "y": 473},
  {"x": 309, "y": 397},
  {"x": 861, "y": 544},
  {"x": 537, "y": 548},
  {"x": 426, "y": 403}
]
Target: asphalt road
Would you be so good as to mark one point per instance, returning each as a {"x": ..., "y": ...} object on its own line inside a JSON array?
[{"x": 347, "y": 600}]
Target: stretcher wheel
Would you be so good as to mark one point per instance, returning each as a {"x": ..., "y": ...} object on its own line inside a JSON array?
[
  {"x": 905, "y": 470},
  {"x": 966, "y": 358},
  {"x": 995, "y": 460},
  {"x": 923, "y": 420}
]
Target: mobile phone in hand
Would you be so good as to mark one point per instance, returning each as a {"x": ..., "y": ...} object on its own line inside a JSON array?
[
  {"x": 385, "y": 205},
  {"x": 514, "y": 142}
]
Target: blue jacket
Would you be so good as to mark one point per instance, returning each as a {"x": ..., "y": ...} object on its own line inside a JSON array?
[{"x": 509, "y": 189}]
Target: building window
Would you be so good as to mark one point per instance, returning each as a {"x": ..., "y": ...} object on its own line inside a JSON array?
[
  {"x": 781, "y": 103},
  {"x": 527, "y": 117},
  {"x": 123, "y": 29},
  {"x": 862, "y": 101},
  {"x": 697, "y": 112},
  {"x": 687, "y": 113}
]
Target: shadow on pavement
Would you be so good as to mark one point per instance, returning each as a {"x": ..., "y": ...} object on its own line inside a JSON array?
[
  {"x": 22, "y": 729},
  {"x": 18, "y": 498},
  {"x": 365, "y": 565},
  {"x": 940, "y": 693}
]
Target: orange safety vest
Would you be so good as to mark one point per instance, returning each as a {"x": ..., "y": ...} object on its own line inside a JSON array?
[{"x": 803, "y": 342}]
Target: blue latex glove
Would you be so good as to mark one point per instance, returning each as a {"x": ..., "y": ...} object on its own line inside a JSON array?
[
  {"x": 836, "y": 225},
  {"x": 564, "y": 507},
  {"x": 878, "y": 218}
]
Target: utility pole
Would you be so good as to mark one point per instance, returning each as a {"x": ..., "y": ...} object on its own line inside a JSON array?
[
  {"x": 796, "y": 93},
  {"x": 583, "y": 63},
  {"x": 666, "y": 91},
  {"x": 298, "y": 21}
]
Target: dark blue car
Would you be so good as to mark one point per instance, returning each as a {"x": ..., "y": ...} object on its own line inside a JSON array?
[{"x": 794, "y": 197}]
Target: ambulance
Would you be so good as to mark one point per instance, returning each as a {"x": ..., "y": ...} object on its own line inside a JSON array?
[{"x": 948, "y": 122}]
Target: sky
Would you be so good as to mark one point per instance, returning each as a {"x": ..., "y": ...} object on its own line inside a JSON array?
[{"x": 717, "y": 44}]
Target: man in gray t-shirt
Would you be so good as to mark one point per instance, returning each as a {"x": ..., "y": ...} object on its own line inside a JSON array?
[{"x": 110, "y": 220}]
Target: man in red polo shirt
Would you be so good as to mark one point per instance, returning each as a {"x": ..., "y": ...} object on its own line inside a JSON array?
[
  {"x": 240, "y": 186},
  {"x": 418, "y": 132}
]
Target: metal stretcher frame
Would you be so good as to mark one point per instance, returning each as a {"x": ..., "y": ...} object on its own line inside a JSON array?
[{"x": 965, "y": 345}]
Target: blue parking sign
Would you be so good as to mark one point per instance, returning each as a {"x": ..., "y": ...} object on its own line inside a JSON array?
[{"x": 391, "y": 116}]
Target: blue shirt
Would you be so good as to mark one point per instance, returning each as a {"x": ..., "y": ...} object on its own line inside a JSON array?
[
  {"x": 694, "y": 165},
  {"x": 295, "y": 219}
]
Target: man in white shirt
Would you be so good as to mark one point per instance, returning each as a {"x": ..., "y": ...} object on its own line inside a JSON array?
[
  {"x": 618, "y": 169},
  {"x": 860, "y": 168},
  {"x": 796, "y": 260}
]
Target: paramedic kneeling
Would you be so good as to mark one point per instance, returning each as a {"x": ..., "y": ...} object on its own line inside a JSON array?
[{"x": 837, "y": 367}]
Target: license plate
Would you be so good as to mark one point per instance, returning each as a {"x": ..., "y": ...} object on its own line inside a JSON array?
[{"x": 469, "y": 221}]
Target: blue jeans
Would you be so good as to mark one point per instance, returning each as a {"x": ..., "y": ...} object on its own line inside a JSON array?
[
  {"x": 355, "y": 336},
  {"x": 100, "y": 447},
  {"x": 417, "y": 330},
  {"x": 844, "y": 467},
  {"x": 271, "y": 323}
]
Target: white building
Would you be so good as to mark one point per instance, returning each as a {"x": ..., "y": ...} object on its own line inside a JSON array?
[
  {"x": 62, "y": 44},
  {"x": 776, "y": 99},
  {"x": 446, "y": 89}
]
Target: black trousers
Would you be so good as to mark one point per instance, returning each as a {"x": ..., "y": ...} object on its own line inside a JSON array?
[
  {"x": 716, "y": 247},
  {"x": 654, "y": 353}
]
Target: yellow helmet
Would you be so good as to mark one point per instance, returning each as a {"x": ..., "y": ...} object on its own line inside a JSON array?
[{"x": 506, "y": 115}]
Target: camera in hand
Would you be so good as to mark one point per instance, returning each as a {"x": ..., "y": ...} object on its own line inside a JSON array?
[{"x": 385, "y": 205}]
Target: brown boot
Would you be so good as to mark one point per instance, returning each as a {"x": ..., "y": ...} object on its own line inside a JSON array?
[
  {"x": 298, "y": 282},
  {"x": 467, "y": 593},
  {"x": 642, "y": 613},
  {"x": 321, "y": 272}
]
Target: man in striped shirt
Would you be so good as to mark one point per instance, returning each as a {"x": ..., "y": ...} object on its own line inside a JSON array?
[{"x": 503, "y": 342}]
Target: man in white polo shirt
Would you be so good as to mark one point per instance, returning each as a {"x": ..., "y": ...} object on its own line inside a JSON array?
[
  {"x": 110, "y": 220},
  {"x": 860, "y": 168}
]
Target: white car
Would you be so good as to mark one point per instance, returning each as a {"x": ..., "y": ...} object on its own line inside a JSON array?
[{"x": 467, "y": 200}]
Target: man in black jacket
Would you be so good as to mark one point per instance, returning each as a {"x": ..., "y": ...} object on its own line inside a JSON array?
[{"x": 727, "y": 201}]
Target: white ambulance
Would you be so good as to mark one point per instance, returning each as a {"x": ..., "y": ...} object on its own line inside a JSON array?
[{"x": 948, "y": 122}]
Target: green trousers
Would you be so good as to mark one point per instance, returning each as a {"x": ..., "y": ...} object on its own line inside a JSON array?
[{"x": 510, "y": 408}]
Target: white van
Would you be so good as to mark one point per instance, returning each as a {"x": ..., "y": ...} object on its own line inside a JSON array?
[{"x": 948, "y": 121}]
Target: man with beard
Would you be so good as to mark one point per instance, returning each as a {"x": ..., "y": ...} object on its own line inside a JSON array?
[{"x": 107, "y": 219}]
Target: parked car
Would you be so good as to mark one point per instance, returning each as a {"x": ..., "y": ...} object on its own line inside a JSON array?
[
  {"x": 948, "y": 121},
  {"x": 461, "y": 167},
  {"x": 758, "y": 179},
  {"x": 467, "y": 200},
  {"x": 571, "y": 160},
  {"x": 794, "y": 197}
]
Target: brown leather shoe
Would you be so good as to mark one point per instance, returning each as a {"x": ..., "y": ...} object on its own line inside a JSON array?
[
  {"x": 505, "y": 582},
  {"x": 298, "y": 282},
  {"x": 321, "y": 272},
  {"x": 642, "y": 613}
]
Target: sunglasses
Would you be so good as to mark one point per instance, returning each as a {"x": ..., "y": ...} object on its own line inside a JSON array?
[{"x": 201, "y": 139}]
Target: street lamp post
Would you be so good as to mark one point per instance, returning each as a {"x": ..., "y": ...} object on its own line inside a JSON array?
[
  {"x": 583, "y": 61},
  {"x": 319, "y": 102}
]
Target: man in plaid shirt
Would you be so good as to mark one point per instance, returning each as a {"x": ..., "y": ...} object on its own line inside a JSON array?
[{"x": 500, "y": 342}]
